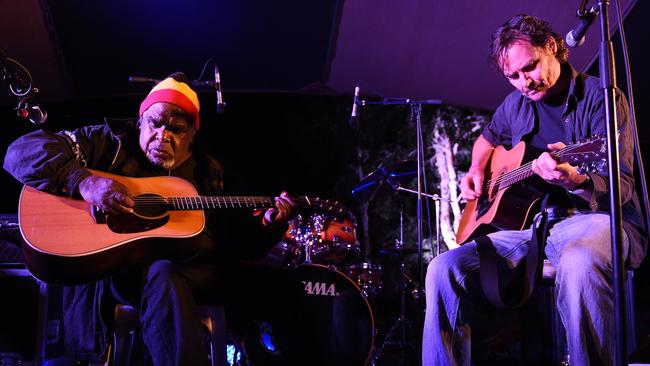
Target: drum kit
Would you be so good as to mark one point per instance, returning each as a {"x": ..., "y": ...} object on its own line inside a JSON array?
[{"x": 334, "y": 314}]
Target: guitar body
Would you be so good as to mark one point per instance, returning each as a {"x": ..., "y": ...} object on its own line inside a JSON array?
[
  {"x": 501, "y": 208},
  {"x": 67, "y": 244}
]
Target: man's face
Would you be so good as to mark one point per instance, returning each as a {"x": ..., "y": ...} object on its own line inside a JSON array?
[
  {"x": 165, "y": 135},
  {"x": 532, "y": 70}
]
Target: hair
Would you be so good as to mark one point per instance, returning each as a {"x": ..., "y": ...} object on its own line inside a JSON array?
[{"x": 526, "y": 28}]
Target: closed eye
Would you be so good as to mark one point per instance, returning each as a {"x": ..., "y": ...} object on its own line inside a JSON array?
[{"x": 528, "y": 68}]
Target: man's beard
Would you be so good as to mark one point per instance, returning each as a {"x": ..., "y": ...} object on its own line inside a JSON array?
[{"x": 165, "y": 161}]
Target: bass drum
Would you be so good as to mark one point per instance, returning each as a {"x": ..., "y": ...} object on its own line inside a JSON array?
[{"x": 332, "y": 324}]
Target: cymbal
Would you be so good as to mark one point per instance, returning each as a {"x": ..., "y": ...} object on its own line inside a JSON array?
[
  {"x": 385, "y": 179},
  {"x": 401, "y": 250}
]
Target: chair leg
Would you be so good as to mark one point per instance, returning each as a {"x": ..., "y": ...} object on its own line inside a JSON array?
[
  {"x": 629, "y": 302},
  {"x": 214, "y": 318},
  {"x": 126, "y": 324}
]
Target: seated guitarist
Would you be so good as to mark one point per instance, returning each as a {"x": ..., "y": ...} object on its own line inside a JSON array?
[
  {"x": 553, "y": 106},
  {"x": 161, "y": 143}
]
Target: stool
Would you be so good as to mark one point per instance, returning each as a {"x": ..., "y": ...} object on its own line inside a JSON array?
[
  {"x": 127, "y": 323},
  {"x": 560, "y": 351}
]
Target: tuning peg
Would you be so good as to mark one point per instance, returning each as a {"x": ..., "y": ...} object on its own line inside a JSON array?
[{"x": 602, "y": 165}]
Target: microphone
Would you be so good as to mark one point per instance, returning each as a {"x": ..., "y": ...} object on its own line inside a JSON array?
[
  {"x": 140, "y": 79},
  {"x": 221, "y": 106},
  {"x": 576, "y": 36},
  {"x": 355, "y": 103},
  {"x": 194, "y": 83},
  {"x": 30, "y": 111}
]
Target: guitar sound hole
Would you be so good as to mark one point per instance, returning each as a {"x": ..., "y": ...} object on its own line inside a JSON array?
[
  {"x": 150, "y": 212},
  {"x": 483, "y": 206},
  {"x": 128, "y": 223},
  {"x": 150, "y": 206}
]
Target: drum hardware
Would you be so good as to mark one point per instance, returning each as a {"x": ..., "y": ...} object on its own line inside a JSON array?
[
  {"x": 416, "y": 106},
  {"x": 321, "y": 238},
  {"x": 379, "y": 182},
  {"x": 331, "y": 323},
  {"x": 397, "y": 333},
  {"x": 367, "y": 277}
]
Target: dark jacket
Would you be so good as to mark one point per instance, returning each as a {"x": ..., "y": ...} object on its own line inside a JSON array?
[{"x": 584, "y": 117}]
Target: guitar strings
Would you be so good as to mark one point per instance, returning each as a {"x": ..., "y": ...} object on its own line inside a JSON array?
[
  {"x": 525, "y": 170},
  {"x": 192, "y": 200}
]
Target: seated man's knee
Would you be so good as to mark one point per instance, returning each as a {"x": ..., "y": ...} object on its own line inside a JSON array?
[
  {"x": 582, "y": 260},
  {"x": 443, "y": 269},
  {"x": 162, "y": 271}
]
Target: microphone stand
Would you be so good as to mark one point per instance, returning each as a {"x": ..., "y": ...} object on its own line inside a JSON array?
[
  {"x": 608, "y": 83},
  {"x": 416, "y": 112},
  {"x": 436, "y": 199}
]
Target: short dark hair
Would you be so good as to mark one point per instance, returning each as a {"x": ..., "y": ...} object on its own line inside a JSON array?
[{"x": 528, "y": 28}]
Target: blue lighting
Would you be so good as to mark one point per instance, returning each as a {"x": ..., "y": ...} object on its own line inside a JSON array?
[
  {"x": 266, "y": 336},
  {"x": 233, "y": 355}
]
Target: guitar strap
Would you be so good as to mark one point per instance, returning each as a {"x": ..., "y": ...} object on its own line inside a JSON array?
[{"x": 533, "y": 263}]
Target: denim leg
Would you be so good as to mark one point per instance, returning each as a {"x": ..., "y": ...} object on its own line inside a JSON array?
[
  {"x": 450, "y": 292},
  {"x": 579, "y": 247},
  {"x": 169, "y": 316}
]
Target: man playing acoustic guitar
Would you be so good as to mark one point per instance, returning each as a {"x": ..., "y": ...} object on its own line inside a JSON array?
[
  {"x": 163, "y": 142},
  {"x": 553, "y": 106}
]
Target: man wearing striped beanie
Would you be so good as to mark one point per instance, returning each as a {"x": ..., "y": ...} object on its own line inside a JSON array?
[
  {"x": 166, "y": 293},
  {"x": 169, "y": 119}
]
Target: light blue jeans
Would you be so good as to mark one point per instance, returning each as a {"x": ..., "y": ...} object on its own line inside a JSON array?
[{"x": 578, "y": 247}]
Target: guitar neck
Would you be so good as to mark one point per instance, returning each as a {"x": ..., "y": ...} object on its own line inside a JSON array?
[
  {"x": 226, "y": 202},
  {"x": 525, "y": 170},
  {"x": 210, "y": 202}
]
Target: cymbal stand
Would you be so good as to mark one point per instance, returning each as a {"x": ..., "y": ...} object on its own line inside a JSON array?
[
  {"x": 401, "y": 324},
  {"x": 416, "y": 116},
  {"x": 315, "y": 225},
  {"x": 436, "y": 199}
]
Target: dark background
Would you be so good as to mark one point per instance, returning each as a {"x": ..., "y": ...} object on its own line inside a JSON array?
[{"x": 288, "y": 69}]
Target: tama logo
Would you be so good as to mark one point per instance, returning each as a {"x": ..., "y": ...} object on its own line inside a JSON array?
[{"x": 319, "y": 288}]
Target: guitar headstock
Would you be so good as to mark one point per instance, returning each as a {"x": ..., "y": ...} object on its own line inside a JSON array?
[
  {"x": 587, "y": 156},
  {"x": 327, "y": 206}
]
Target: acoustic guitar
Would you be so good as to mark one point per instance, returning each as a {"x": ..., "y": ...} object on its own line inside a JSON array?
[
  {"x": 507, "y": 205},
  {"x": 68, "y": 241}
]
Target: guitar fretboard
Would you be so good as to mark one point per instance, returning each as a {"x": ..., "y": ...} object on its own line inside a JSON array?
[
  {"x": 208, "y": 202},
  {"x": 571, "y": 153}
]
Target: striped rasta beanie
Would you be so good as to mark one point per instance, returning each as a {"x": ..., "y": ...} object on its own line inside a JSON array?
[{"x": 175, "y": 90}]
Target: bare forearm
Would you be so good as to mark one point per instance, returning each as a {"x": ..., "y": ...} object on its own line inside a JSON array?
[{"x": 481, "y": 153}]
